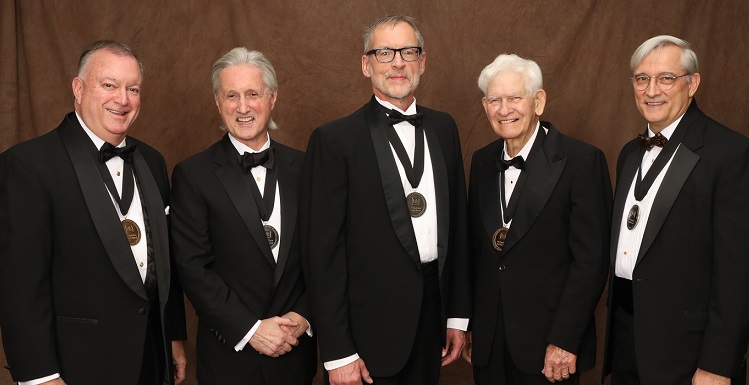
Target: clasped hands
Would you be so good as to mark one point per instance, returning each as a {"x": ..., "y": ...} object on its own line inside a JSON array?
[{"x": 276, "y": 336}]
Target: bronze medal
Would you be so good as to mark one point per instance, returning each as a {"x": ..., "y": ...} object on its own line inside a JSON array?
[
  {"x": 132, "y": 231},
  {"x": 272, "y": 235},
  {"x": 633, "y": 217},
  {"x": 417, "y": 204},
  {"x": 498, "y": 240}
]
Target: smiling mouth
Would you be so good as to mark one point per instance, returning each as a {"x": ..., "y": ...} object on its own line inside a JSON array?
[
  {"x": 248, "y": 119},
  {"x": 116, "y": 112},
  {"x": 654, "y": 104},
  {"x": 508, "y": 121}
]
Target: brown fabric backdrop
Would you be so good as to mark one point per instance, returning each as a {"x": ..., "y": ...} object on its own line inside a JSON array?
[{"x": 582, "y": 46}]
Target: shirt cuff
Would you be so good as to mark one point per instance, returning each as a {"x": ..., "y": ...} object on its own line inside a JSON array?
[
  {"x": 40, "y": 380},
  {"x": 458, "y": 323},
  {"x": 335, "y": 364},
  {"x": 243, "y": 342},
  {"x": 309, "y": 327}
]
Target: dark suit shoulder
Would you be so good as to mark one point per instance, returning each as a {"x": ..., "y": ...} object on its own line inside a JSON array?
[
  {"x": 289, "y": 152},
  {"x": 346, "y": 124},
  {"x": 145, "y": 149}
]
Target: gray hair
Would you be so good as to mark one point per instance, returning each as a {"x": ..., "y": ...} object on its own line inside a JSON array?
[
  {"x": 511, "y": 62},
  {"x": 688, "y": 58},
  {"x": 112, "y": 46},
  {"x": 241, "y": 56},
  {"x": 391, "y": 20}
]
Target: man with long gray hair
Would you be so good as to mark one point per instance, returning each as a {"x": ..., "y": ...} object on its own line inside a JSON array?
[
  {"x": 234, "y": 237},
  {"x": 679, "y": 288}
]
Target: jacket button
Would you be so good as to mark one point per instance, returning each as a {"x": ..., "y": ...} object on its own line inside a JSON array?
[
  {"x": 142, "y": 310},
  {"x": 502, "y": 267}
]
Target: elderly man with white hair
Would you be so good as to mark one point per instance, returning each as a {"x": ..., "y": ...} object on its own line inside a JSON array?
[{"x": 539, "y": 216}]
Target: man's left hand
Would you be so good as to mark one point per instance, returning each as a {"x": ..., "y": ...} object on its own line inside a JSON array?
[
  {"x": 456, "y": 339},
  {"x": 180, "y": 360},
  {"x": 559, "y": 364},
  {"x": 301, "y": 324},
  {"x": 702, "y": 377}
]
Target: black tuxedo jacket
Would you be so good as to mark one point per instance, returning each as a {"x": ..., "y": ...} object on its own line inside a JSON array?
[
  {"x": 361, "y": 257},
  {"x": 227, "y": 269},
  {"x": 544, "y": 286},
  {"x": 691, "y": 280},
  {"x": 71, "y": 298}
]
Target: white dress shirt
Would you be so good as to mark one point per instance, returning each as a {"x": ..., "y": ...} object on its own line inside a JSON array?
[{"x": 628, "y": 247}]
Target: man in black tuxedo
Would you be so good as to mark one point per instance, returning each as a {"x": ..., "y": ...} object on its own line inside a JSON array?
[
  {"x": 384, "y": 219},
  {"x": 81, "y": 300},
  {"x": 679, "y": 288},
  {"x": 539, "y": 208},
  {"x": 234, "y": 236}
]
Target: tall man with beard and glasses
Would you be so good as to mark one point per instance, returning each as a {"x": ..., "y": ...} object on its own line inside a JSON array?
[
  {"x": 87, "y": 291},
  {"x": 383, "y": 215},
  {"x": 234, "y": 236},
  {"x": 539, "y": 213},
  {"x": 679, "y": 288}
]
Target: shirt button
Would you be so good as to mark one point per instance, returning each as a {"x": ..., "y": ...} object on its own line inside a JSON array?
[
  {"x": 502, "y": 267},
  {"x": 140, "y": 264},
  {"x": 257, "y": 179},
  {"x": 625, "y": 253},
  {"x": 118, "y": 173}
]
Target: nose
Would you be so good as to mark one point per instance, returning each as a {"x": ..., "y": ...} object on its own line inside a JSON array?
[
  {"x": 653, "y": 88},
  {"x": 244, "y": 104},
  {"x": 504, "y": 108},
  {"x": 122, "y": 97},
  {"x": 398, "y": 61}
]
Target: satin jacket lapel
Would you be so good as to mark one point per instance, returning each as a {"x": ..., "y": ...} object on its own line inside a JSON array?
[
  {"x": 100, "y": 206},
  {"x": 290, "y": 206},
  {"x": 391, "y": 181},
  {"x": 154, "y": 205},
  {"x": 237, "y": 186},
  {"x": 543, "y": 174},
  {"x": 631, "y": 163},
  {"x": 681, "y": 167},
  {"x": 488, "y": 191},
  {"x": 441, "y": 190}
]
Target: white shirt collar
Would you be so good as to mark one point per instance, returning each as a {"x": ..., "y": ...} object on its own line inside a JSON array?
[
  {"x": 409, "y": 111},
  {"x": 98, "y": 142},
  {"x": 668, "y": 131},
  {"x": 242, "y": 148},
  {"x": 526, "y": 148}
]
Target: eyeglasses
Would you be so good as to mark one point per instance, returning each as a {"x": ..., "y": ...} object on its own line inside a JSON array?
[
  {"x": 386, "y": 55},
  {"x": 664, "y": 81}
]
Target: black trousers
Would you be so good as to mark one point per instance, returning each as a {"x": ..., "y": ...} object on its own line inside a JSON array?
[
  {"x": 154, "y": 357},
  {"x": 424, "y": 362}
]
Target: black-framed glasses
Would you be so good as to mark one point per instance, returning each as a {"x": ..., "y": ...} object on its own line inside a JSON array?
[
  {"x": 386, "y": 55},
  {"x": 664, "y": 81}
]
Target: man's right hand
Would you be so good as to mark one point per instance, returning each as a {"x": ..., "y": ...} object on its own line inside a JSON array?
[
  {"x": 351, "y": 374},
  {"x": 270, "y": 339}
]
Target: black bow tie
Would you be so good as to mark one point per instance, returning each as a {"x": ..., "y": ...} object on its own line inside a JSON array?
[
  {"x": 517, "y": 161},
  {"x": 249, "y": 160},
  {"x": 395, "y": 117},
  {"x": 109, "y": 151},
  {"x": 657, "y": 140}
]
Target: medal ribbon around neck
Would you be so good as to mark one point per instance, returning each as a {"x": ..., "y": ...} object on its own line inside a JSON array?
[
  {"x": 642, "y": 185},
  {"x": 415, "y": 172}
]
